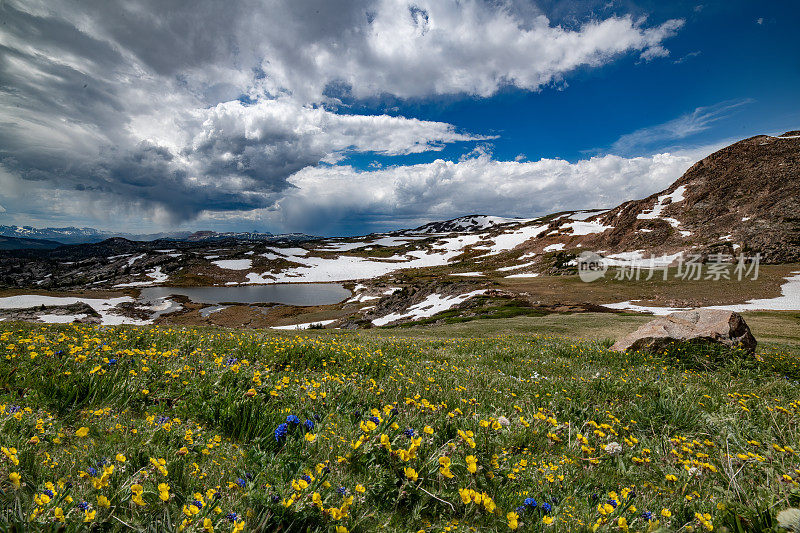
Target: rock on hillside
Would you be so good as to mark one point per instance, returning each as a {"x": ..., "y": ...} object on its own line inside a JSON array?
[{"x": 700, "y": 325}]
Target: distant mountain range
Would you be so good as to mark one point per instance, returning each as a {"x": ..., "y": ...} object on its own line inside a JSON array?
[
  {"x": 15, "y": 243},
  {"x": 20, "y": 237}
]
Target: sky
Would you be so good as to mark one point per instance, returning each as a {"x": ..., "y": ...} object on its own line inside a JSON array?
[{"x": 337, "y": 117}]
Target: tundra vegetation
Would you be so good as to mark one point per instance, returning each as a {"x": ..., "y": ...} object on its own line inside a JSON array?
[{"x": 201, "y": 429}]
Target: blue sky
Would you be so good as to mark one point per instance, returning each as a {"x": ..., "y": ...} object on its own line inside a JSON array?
[
  {"x": 347, "y": 117},
  {"x": 727, "y": 53}
]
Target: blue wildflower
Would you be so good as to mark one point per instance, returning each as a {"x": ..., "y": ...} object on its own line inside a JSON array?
[
  {"x": 241, "y": 482},
  {"x": 92, "y": 471},
  {"x": 546, "y": 508},
  {"x": 292, "y": 419},
  {"x": 375, "y": 419},
  {"x": 530, "y": 502},
  {"x": 342, "y": 490},
  {"x": 309, "y": 424},
  {"x": 83, "y": 506},
  {"x": 647, "y": 515},
  {"x": 280, "y": 432},
  {"x": 231, "y": 516},
  {"x": 409, "y": 432}
]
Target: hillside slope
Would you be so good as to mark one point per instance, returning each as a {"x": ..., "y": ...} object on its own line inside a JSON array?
[{"x": 744, "y": 197}]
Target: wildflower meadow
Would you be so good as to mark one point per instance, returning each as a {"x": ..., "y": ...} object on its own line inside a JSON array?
[{"x": 173, "y": 429}]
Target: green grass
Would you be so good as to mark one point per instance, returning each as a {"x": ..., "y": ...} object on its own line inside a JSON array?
[{"x": 598, "y": 436}]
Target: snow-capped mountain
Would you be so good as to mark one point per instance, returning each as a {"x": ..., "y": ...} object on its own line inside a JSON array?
[{"x": 465, "y": 224}]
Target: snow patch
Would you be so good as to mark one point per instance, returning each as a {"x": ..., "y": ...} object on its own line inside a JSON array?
[
  {"x": 630, "y": 306},
  {"x": 789, "y": 300},
  {"x": 675, "y": 196},
  {"x": 135, "y": 258},
  {"x": 434, "y": 303},
  {"x": 234, "y": 264},
  {"x": 289, "y": 252},
  {"x": 60, "y": 319},
  {"x": 583, "y": 215},
  {"x": 637, "y": 258},
  {"x": 511, "y": 239},
  {"x": 516, "y": 267},
  {"x": 585, "y": 228},
  {"x": 259, "y": 279},
  {"x": 305, "y": 325},
  {"x": 155, "y": 275}
]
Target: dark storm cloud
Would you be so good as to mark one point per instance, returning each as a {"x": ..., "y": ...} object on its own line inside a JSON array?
[{"x": 200, "y": 106}]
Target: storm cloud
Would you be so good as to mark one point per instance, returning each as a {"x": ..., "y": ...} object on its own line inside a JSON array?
[{"x": 191, "y": 108}]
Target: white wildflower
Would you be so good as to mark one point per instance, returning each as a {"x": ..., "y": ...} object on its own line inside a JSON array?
[{"x": 613, "y": 448}]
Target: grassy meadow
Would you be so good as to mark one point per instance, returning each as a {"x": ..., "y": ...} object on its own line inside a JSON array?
[{"x": 202, "y": 429}]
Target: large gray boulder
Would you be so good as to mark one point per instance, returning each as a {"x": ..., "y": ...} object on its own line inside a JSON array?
[{"x": 700, "y": 325}]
